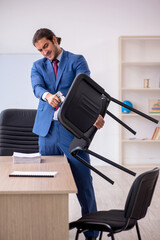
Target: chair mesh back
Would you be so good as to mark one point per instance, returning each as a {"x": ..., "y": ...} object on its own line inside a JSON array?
[
  {"x": 140, "y": 195},
  {"x": 16, "y": 131}
]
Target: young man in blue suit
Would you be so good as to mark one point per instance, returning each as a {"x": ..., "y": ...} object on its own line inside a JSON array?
[{"x": 54, "y": 139}]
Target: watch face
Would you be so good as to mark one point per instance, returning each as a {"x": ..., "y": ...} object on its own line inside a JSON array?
[{"x": 60, "y": 96}]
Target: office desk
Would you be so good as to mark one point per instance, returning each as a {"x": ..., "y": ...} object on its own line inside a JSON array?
[{"x": 35, "y": 208}]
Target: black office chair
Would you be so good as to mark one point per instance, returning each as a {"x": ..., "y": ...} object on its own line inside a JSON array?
[
  {"x": 115, "y": 221},
  {"x": 16, "y": 132},
  {"x": 85, "y": 100}
]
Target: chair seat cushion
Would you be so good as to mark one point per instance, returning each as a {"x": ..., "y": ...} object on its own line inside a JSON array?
[{"x": 103, "y": 220}]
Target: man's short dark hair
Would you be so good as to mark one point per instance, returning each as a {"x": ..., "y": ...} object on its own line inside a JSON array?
[{"x": 44, "y": 32}]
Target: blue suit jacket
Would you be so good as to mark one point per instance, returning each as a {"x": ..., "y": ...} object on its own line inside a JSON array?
[{"x": 43, "y": 80}]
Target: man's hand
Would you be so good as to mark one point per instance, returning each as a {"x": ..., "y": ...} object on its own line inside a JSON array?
[
  {"x": 99, "y": 122},
  {"x": 53, "y": 100}
]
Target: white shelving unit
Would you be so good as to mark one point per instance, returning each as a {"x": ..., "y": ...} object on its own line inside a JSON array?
[{"x": 139, "y": 59}]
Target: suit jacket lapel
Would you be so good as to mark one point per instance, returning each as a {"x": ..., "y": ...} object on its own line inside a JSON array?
[
  {"x": 50, "y": 73},
  {"x": 61, "y": 67}
]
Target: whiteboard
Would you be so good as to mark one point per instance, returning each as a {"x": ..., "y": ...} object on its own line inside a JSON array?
[{"x": 15, "y": 82}]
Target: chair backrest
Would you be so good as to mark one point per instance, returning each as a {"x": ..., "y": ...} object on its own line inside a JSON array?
[
  {"x": 16, "y": 131},
  {"x": 140, "y": 194},
  {"x": 82, "y": 105}
]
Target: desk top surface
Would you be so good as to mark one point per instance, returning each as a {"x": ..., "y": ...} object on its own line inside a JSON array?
[{"x": 62, "y": 183}]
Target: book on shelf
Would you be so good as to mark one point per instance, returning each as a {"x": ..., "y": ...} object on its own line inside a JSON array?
[
  {"x": 156, "y": 134},
  {"x": 26, "y": 157}
]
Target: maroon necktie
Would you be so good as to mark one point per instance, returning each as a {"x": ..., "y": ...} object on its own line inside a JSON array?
[{"x": 55, "y": 66}]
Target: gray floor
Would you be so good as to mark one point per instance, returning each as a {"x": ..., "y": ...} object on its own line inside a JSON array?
[{"x": 113, "y": 196}]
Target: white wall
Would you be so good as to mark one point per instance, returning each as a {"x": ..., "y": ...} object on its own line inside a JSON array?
[{"x": 89, "y": 27}]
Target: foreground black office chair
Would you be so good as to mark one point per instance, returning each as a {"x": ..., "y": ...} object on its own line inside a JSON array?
[
  {"x": 16, "y": 132},
  {"x": 115, "y": 221}
]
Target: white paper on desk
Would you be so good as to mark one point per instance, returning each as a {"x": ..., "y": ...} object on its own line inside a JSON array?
[
  {"x": 26, "y": 157},
  {"x": 32, "y": 174}
]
